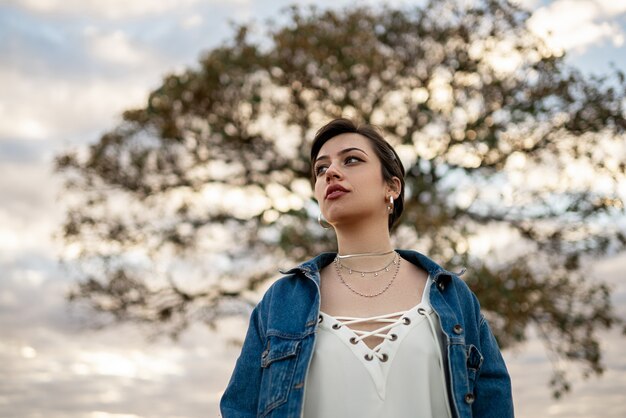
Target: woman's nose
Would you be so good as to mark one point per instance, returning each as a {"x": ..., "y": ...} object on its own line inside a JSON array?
[{"x": 332, "y": 172}]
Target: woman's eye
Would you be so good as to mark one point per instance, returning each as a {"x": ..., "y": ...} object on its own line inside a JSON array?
[{"x": 319, "y": 169}]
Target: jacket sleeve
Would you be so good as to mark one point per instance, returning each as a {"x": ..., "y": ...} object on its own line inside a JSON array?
[
  {"x": 241, "y": 396},
  {"x": 493, "y": 396}
]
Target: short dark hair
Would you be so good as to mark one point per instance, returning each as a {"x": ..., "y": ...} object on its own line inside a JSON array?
[{"x": 391, "y": 166}]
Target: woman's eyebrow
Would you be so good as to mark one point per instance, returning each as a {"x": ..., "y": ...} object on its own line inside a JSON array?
[{"x": 343, "y": 151}]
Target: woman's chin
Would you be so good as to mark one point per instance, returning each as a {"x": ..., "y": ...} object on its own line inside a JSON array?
[{"x": 339, "y": 219}]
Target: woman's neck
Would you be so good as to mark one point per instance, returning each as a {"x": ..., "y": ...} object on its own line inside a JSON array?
[{"x": 363, "y": 237}]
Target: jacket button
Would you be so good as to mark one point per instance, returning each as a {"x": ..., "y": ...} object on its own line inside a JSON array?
[
  {"x": 469, "y": 398},
  {"x": 441, "y": 286},
  {"x": 458, "y": 329}
]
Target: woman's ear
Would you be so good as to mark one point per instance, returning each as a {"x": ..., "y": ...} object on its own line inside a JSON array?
[{"x": 394, "y": 187}]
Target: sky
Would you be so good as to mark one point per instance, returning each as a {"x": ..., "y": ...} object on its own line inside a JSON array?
[{"x": 69, "y": 68}]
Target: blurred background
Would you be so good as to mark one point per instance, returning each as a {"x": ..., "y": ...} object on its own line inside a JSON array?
[{"x": 154, "y": 177}]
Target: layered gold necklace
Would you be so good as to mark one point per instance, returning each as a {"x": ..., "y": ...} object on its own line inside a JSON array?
[{"x": 395, "y": 261}]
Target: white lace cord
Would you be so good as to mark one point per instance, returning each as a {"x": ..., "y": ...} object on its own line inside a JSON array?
[
  {"x": 361, "y": 335},
  {"x": 427, "y": 313}
]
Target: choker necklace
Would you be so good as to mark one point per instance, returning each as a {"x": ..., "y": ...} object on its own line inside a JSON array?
[
  {"x": 341, "y": 257},
  {"x": 374, "y": 272},
  {"x": 336, "y": 261}
]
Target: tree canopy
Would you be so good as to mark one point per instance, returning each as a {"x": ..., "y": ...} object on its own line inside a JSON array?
[{"x": 184, "y": 211}]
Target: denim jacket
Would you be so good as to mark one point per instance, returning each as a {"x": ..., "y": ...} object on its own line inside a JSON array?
[{"x": 269, "y": 375}]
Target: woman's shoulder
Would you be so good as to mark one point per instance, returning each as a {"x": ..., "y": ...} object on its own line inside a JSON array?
[
  {"x": 286, "y": 304},
  {"x": 459, "y": 282},
  {"x": 449, "y": 282},
  {"x": 435, "y": 270},
  {"x": 294, "y": 281}
]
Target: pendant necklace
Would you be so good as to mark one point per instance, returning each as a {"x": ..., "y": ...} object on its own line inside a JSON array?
[{"x": 386, "y": 268}]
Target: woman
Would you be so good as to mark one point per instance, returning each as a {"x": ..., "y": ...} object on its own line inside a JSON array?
[{"x": 368, "y": 331}]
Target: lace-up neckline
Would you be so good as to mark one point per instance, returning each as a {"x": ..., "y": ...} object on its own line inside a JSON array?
[
  {"x": 394, "y": 328},
  {"x": 388, "y": 321},
  {"x": 344, "y": 368}
]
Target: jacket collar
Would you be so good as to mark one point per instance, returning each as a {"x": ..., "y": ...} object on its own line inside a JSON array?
[{"x": 440, "y": 276}]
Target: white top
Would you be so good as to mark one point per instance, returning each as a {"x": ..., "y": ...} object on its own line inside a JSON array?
[{"x": 401, "y": 377}]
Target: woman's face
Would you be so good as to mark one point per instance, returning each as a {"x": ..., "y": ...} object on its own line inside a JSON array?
[{"x": 349, "y": 185}]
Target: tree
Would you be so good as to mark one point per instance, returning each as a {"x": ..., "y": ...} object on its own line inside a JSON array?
[{"x": 185, "y": 210}]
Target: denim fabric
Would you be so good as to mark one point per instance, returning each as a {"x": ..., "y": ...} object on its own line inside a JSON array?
[{"x": 268, "y": 380}]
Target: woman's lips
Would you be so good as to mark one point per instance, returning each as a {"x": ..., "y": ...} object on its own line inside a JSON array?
[{"x": 336, "y": 194}]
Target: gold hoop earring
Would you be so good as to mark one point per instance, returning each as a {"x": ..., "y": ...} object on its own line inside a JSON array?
[
  {"x": 390, "y": 206},
  {"x": 323, "y": 222}
]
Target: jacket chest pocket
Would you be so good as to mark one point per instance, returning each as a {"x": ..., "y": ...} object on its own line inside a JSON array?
[
  {"x": 474, "y": 362},
  {"x": 278, "y": 363}
]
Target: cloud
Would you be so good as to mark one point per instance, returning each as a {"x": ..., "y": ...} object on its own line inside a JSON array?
[
  {"x": 33, "y": 45},
  {"x": 110, "y": 9},
  {"x": 576, "y": 25},
  {"x": 527, "y": 4},
  {"x": 36, "y": 107},
  {"x": 192, "y": 21},
  {"x": 612, "y": 7},
  {"x": 56, "y": 369},
  {"x": 66, "y": 80},
  {"x": 28, "y": 213},
  {"x": 116, "y": 47},
  {"x": 63, "y": 80}
]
